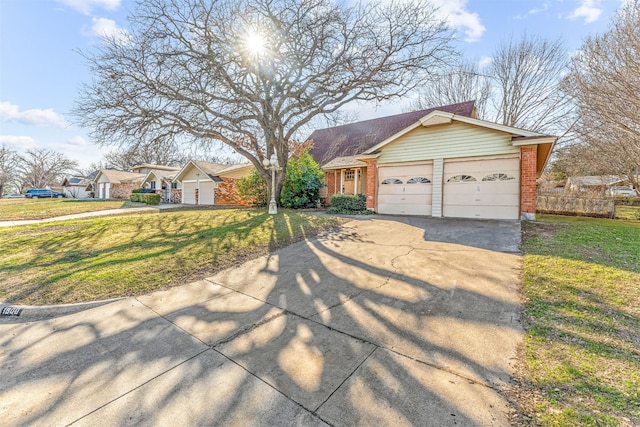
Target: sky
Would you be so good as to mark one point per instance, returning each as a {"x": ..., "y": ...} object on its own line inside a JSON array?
[{"x": 41, "y": 68}]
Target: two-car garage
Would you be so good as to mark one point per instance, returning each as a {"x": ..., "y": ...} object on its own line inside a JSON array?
[{"x": 461, "y": 188}]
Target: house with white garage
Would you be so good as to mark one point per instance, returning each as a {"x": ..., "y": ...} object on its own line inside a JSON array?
[
  {"x": 161, "y": 181},
  {"x": 115, "y": 184},
  {"x": 78, "y": 187},
  {"x": 207, "y": 183},
  {"x": 440, "y": 162}
]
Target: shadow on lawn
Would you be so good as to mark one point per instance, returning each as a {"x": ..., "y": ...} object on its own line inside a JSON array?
[
  {"x": 342, "y": 329},
  {"x": 173, "y": 245}
]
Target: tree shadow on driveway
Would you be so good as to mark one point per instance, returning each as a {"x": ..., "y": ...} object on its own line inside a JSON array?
[{"x": 372, "y": 324}]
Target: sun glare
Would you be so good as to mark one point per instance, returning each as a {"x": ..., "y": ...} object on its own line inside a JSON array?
[{"x": 255, "y": 44}]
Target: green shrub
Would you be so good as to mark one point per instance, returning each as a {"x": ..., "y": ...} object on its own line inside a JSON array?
[
  {"x": 349, "y": 202},
  {"x": 255, "y": 187},
  {"x": 148, "y": 198},
  {"x": 137, "y": 190},
  {"x": 302, "y": 183}
]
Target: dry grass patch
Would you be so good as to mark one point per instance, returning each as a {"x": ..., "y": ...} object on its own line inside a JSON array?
[
  {"x": 21, "y": 209},
  {"x": 580, "y": 364},
  {"x": 108, "y": 257}
]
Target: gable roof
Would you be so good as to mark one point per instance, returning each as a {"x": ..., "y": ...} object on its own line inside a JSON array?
[
  {"x": 357, "y": 138},
  {"x": 118, "y": 177},
  {"x": 75, "y": 181},
  {"x": 212, "y": 170},
  {"x": 164, "y": 175},
  {"x": 155, "y": 167},
  {"x": 439, "y": 117}
]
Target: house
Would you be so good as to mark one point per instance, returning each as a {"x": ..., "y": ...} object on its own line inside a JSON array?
[
  {"x": 594, "y": 183},
  {"x": 442, "y": 162},
  {"x": 115, "y": 184},
  {"x": 206, "y": 183},
  {"x": 161, "y": 181},
  {"x": 78, "y": 187}
]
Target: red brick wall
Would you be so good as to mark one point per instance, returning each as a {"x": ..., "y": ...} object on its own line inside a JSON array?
[
  {"x": 122, "y": 191},
  {"x": 176, "y": 195},
  {"x": 227, "y": 193},
  {"x": 528, "y": 163},
  {"x": 372, "y": 173},
  {"x": 332, "y": 179}
]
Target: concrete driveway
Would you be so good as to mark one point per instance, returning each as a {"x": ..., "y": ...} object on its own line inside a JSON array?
[{"x": 390, "y": 321}]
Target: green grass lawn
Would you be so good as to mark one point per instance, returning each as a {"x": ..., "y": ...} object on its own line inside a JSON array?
[
  {"x": 19, "y": 209},
  {"x": 92, "y": 259},
  {"x": 580, "y": 364}
]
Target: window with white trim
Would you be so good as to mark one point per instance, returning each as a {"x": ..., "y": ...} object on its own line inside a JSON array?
[
  {"x": 499, "y": 177},
  {"x": 391, "y": 181},
  {"x": 462, "y": 178},
  {"x": 418, "y": 180}
]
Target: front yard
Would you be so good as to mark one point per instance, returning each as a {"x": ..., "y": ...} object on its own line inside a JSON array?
[
  {"x": 92, "y": 259},
  {"x": 580, "y": 364},
  {"x": 20, "y": 209}
]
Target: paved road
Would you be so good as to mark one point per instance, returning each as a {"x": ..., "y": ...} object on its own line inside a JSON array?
[{"x": 391, "y": 321}]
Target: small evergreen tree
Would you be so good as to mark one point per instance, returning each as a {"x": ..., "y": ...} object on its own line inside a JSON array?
[
  {"x": 301, "y": 188},
  {"x": 302, "y": 183},
  {"x": 254, "y": 187}
]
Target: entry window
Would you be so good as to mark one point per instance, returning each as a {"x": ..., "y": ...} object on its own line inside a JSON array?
[
  {"x": 153, "y": 185},
  {"x": 462, "y": 178},
  {"x": 419, "y": 180},
  {"x": 498, "y": 177},
  {"x": 174, "y": 185},
  {"x": 389, "y": 181}
]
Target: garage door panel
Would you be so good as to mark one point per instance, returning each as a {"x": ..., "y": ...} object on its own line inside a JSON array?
[
  {"x": 189, "y": 192},
  {"x": 205, "y": 194},
  {"x": 405, "y": 198},
  {"x": 497, "y": 197},
  {"x": 481, "y": 212},
  {"x": 404, "y": 209}
]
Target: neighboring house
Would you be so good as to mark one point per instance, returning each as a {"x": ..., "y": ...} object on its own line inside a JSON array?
[
  {"x": 161, "y": 181},
  {"x": 77, "y": 187},
  {"x": 115, "y": 184},
  {"x": 442, "y": 162},
  {"x": 594, "y": 184},
  {"x": 206, "y": 183}
]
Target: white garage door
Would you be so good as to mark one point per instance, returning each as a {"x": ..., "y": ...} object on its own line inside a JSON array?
[
  {"x": 189, "y": 193},
  {"x": 485, "y": 188},
  {"x": 405, "y": 190},
  {"x": 205, "y": 194}
]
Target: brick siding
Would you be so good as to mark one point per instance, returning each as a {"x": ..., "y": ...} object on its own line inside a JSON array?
[
  {"x": 372, "y": 172},
  {"x": 227, "y": 193},
  {"x": 123, "y": 190},
  {"x": 331, "y": 179},
  {"x": 528, "y": 163}
]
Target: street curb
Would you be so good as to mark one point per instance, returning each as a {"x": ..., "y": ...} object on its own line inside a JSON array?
[{"x": 10, "y": 313}]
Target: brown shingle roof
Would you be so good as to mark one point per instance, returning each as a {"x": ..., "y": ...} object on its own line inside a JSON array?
[
  {"x": 356, "y": 138},
  {"x": 117, "y": 177}
]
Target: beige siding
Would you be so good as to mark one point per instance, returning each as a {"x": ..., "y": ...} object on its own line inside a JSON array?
[
  {"x": 240, "y": 173},
  {"x": 447, "y": 141},
  {"x": 192, "y": 174}
]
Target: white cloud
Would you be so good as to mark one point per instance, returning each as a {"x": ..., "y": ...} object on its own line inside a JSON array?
[
  {"x": 77, "y": 141},
  {"x": 535, "y": 10},
  {"x": 103, "y": 27},
  {"x": 484, "y": 61},
  {"x": 456, "y": 14},
  {"x": 86, "y": 6},
  {"x": 37, "y": 117},
  {"x": 590, "y": 10},
  {"x": 19, "y": 142}
]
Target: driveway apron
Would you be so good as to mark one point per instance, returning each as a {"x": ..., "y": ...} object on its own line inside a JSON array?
[{"x": 388, "y": 321}]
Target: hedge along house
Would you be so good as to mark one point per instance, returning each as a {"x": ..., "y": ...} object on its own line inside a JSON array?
[
  {"x": 115, "y": 184},
  {"x": 206, "y": 183},
  {"x": 442, "y": 162}
]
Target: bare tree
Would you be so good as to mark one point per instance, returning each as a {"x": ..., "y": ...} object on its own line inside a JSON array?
[
  {"x": 40, "y": 168},
  {"x": 252, "y": 73},
  {"x": 464, "y": 82},
  {"x": 8, "y": 167},
  {"x": 605, "y": 82},
  {"x": 526, "y": 74}
]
